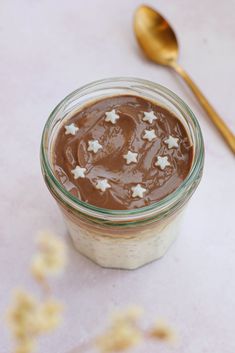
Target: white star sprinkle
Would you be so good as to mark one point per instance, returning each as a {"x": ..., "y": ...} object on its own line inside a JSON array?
[
  {"x": 78, "y": 172},
  {"x": 102, "y": 185},
  {"x": 71, "y": 129},
  {"x": 149, "y": 117},
  {"x": 94, "y": 146},
  {"x": 131, "y": 157},
  {"x": 172, "y": 142},
  {"x": 162, "y": 162},
  {"x": 149, "y": 135},
  {"x": 138, "y": 191},
  {"x": 112, "y": 116}
]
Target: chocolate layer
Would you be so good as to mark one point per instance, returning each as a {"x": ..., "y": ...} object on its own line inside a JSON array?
[{"x": 126, "y": 133}]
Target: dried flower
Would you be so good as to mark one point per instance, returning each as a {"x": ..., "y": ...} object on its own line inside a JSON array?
[
  {"x": 118, "y": 338},
  {"x": 161, "y": 331},
  {"x": 50, "y": 259},
  {"x": 123, "y": 332},
  {"x": 21, "y": 316},
  {"x": 29, "y": 318},
  {"x": 50, "y": 315}
]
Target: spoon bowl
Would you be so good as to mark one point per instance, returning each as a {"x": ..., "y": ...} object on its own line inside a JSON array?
[
  {"x": 159, "y": 43},
  {"x": 155, "y": 36}
]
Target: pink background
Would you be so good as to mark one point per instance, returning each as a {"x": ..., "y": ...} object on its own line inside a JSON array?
[{"x": 48, "y": 49}]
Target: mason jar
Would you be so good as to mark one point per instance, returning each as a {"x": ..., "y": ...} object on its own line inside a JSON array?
[{"x": 125, "y": 239}]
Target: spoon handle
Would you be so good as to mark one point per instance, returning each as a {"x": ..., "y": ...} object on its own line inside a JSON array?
[{"x": 215, "y": 118}]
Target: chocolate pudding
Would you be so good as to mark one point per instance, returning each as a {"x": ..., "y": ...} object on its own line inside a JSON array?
[
  {"x": 121, "y": 144},
  {"x": 122, "y": 152}
]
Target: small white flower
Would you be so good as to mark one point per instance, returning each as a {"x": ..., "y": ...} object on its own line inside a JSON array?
[
  {"x": 71, "y": 129},
  {"x": 78, "y": 172},
  {"x": 172, "y": 142},
  {"x": 112, "y": 116},
  {"x": 131, "y": 157},
  {"x": 138, "y": 191},
  {"x": 162, "y": 162},
  {"x": 102, "y": 185},
  {"x": 149, "y": 135},
  {"x": 94, "y": 146},
  {"x": 149, "y": 117}
]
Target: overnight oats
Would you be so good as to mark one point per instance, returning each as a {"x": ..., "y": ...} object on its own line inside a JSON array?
[{"x": 122, "y": 157}]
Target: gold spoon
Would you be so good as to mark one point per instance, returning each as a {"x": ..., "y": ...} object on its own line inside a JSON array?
[{"x": 159, "y": 42}]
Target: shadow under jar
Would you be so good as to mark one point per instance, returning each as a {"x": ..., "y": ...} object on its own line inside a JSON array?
[{"x": 122, "y": 238}]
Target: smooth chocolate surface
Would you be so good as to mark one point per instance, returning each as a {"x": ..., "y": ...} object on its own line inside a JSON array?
[{"x": 116, "y": 139}]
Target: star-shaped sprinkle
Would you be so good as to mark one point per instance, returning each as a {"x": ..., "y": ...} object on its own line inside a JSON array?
[
  {"x": 71, "y": 129},
  {"x": 102, "y": 185},
  {"x": 172, "y": 142},
  {"x": 94, "y": 146},
  {"x": 78, "y": 172},
  {"x": 149, "y": 135},
  {"x": 138, "y": 191},
  {"x": 112, "y": 116},
  {"x": 131, "y": 157},
  {"x": 149, "y": 117},
  {"x": 162, "y": 162}
]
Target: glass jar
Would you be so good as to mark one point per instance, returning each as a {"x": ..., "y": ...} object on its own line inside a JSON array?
[{"x": 122, "y": 238}]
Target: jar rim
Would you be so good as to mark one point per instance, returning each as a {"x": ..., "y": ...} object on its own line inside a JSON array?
[{"x": 166, "y": 202}]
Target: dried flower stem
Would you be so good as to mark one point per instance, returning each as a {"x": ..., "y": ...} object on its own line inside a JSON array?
[{"x": 45, "y": 286}]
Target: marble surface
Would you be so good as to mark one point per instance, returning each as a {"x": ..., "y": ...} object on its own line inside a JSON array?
[{"x": 48, "y": 49}]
